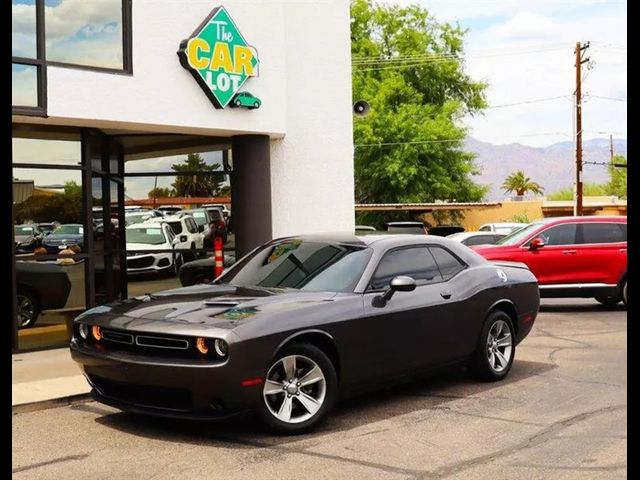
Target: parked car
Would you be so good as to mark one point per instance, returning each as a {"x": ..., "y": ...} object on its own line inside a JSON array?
[
  {"x": 501, "y": 227},
  {"x": 220, "y": 226},
  {"x": 220, "y": 206},
  {"x": 365, "y": 230},
  {"x": 40, "y": 286},
  {"x": 477, "y": 238},
  {"x": 202, "y": 270},
  {"x": 142, "y": 239},
  {"x": 27, "y": 237},
  {"x": 414, "y": 228},
  {"x": 571, "y": 256},
  {"x": 188, "y": 235},
  {"x": 65, "y": 235},
  {"x": 276, "y": 330},
  {"x": 48, "y": 227},
  {"x": 170, "y": 209}
]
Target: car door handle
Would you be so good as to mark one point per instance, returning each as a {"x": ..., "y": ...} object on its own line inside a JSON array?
[
  {"x": 569, "y": 252},
  {"x": 445, "y": 295},
  {"x": 623, "y": 250}
]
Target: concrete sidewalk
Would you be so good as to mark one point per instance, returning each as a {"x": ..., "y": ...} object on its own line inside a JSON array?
[{"x": 49, "y": 377}]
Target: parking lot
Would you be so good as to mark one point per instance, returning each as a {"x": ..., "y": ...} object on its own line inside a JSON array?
[{"x": 560, "y": 414}]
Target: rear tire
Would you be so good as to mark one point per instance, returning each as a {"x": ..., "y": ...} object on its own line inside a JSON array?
[
  {"x": 308, "y": 403},
  {"x": 496, "y": 348}
]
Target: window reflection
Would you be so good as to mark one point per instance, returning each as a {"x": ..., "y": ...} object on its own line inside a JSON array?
[
  {"x": 23, "y": 28},
  {"x": 85, "y": 32},
  {"x": 24, "y": 85}
]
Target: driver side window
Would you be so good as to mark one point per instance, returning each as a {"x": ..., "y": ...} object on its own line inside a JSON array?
[
  {"x": 559, "y": 235},
  {"x": 415, "y": 262}
]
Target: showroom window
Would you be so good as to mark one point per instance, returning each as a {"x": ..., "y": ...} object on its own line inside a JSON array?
[{"x": 92, "y": 35}]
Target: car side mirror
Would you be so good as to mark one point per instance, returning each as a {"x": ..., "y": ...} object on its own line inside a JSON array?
[
  {"x": 183, "y": 238},
  {"x": 536, "y": 243},
  {"x": 400, "y": 283}
]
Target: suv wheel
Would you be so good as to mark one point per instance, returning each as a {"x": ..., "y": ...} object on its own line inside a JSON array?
[{"x": 496, "y": 348}]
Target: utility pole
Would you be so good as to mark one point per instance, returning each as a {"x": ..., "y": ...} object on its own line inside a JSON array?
[
  {"x": 611, "y": 146},
  {"x": 579, "y": 61}
]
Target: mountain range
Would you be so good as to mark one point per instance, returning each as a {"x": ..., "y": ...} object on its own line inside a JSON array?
[{"x": 553, "y": 166}]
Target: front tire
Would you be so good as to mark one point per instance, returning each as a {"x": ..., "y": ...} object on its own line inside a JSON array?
[
  {"x": 496, "y": 349},
  {"x": 624, "y": 292},
  {"x": 28, "y": 305},
  {"x": 300, "y": 389}
]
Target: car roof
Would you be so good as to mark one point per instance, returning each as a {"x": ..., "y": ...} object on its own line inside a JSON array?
[
  {"x": 585, "y": 219},
  {"x": 154, "y": 223}
]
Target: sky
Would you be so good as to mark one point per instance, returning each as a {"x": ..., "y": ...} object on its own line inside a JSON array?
[{"x": 524, "y": 49}]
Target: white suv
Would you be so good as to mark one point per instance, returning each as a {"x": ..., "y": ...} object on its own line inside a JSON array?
[
  {"x": 143, "y": 239},
  {"x": 501, "y": 227},
  {"x": 186, "y": 230}
]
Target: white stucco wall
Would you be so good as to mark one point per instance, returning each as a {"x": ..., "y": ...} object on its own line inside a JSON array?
[{"x": 304, "y": 83}]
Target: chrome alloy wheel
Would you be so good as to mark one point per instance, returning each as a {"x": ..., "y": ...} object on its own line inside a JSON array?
[
  {"x": 499, "y": 346},
  {"x": 26, "y": 311},
  {"x": 295, "y": 389}
]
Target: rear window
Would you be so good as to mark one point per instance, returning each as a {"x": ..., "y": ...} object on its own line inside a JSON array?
[
  {"x": 448, "y": 264},
  {"x": 603, "y": 233},
  {"x": 411, "y": 229}
]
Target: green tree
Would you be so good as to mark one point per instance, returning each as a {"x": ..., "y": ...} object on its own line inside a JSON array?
[
  {"x": 520, "y": 184},
  {"x": 588, "y": 189},
  {"x": 198, "y": 184},
  {"x": 160, "y": 192},
  {"x": 410, "y": 69},
  {"x": 63, "y": 207},
  {"x": 617, "y": 184}
]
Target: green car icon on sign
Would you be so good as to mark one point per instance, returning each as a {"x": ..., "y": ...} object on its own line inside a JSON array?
[{"x": 247, "y": 100}]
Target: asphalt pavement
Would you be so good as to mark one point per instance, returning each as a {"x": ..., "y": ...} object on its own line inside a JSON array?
[{"x": 560, "y": 414}]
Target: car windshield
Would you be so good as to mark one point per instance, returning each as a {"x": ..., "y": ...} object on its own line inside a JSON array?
[
  {"x": 200, "y": 217},
  {"x": 519, "y": 235},
  {"x": 300, "y": 264},
  {"x": 18, "y": 230},
  {"x": 69, "y": 230},
  {"x": 148, "y": 235}
]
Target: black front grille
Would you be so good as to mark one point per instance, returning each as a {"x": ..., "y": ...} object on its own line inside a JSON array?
[
  {"x": 142, "y": 262},
  {"x": 162, "y": 342},
  {"x": 119, "y": 337},
  {"x": 179, "y": 399}
]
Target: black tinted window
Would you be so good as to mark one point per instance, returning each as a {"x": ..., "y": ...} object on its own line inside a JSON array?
[
  {"x": 602, "y": 233},
  {"x": 447, "y": 263},
  {"x": 559, "y": 235},
  {"x": 304, "y": 265},
  {"x": 416, "y": 263},
  {"x": 176, "y": 227}
]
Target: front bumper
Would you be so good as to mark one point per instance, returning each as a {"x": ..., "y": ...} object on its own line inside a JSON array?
[
  {"x": 167, "y": 387},
  {"x": 151, "y": 262}
]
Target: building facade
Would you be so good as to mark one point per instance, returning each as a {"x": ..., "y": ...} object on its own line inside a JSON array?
[{"x": 103, "y": 105}]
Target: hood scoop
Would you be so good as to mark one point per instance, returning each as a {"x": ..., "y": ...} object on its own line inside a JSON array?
[{"x": 223, "y": 303}]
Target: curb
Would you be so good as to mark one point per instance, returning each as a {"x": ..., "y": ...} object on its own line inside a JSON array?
[{"x": 52, "y": 403}]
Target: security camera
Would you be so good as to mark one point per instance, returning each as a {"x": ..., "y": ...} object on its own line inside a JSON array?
[{"x": 361, "y": 108}]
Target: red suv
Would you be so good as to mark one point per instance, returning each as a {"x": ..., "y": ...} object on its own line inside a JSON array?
[{"x": 571, "y": 256}]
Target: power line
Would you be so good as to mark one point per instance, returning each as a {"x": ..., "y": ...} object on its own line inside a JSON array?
[
  {"x": 448, "y": 140},
  {"x": 524, "y": 102},
  {"x": 607, "y": 98}
]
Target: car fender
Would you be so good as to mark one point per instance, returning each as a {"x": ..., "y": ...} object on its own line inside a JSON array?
[{"x": 299, "y": 333}]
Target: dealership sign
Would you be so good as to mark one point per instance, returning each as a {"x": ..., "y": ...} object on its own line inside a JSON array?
[{"x": 221, "y": 61}]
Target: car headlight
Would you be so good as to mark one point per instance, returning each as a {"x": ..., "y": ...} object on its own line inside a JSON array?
[
  {"x": 221, "y": 347},
  {"x": 83, "y": 329}
]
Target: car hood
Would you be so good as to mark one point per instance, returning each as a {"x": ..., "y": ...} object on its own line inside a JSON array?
[
  {"x": 196, "y": 309},
  {"x": 147, "y": 246},
  {"x": 23, "y": 238},
  {"x": 63, "y": 236},
  {"x": 494, "y": 251}
]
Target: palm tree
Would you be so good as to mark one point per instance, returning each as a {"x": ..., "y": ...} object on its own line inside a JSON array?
[{"x": 517, "y": 182}]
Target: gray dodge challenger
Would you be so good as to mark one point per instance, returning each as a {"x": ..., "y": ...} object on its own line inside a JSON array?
[{"x": 301, "y": 322}]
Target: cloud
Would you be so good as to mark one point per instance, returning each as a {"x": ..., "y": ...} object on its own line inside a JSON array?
[{"x": 524, "y": 26}]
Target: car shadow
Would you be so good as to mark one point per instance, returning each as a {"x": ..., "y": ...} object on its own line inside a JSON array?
[
  {"x": 569, "y": 307},
  {"x": 245, "y": 431}
]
